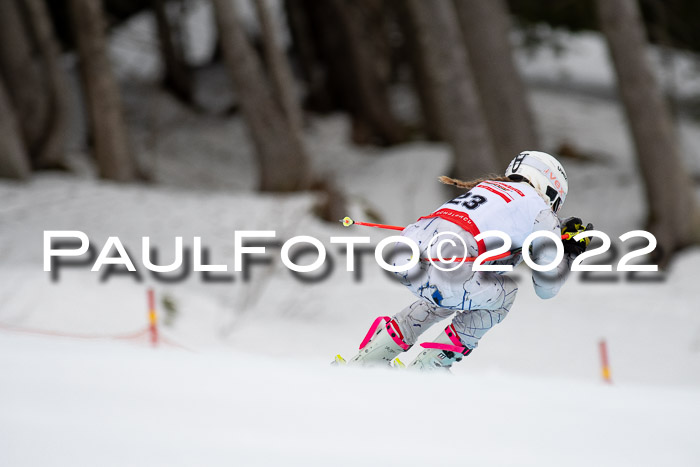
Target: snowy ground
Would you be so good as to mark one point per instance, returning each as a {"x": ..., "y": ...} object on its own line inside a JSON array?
[
  {"x": 254, "y": 388},
  {"x": 115, "y": 405}
]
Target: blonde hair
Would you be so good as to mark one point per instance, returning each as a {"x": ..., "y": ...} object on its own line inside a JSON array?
[
  {"x": 472, "y": 183},
  {"x": 493, "y": 178}
]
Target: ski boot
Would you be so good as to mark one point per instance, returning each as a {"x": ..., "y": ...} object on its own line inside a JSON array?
[
  {"x": 383, "y": 342},
  {"x": 442, "y": 353}
]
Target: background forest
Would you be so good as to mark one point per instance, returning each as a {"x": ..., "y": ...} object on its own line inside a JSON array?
[{"x": 400, "y": 72}]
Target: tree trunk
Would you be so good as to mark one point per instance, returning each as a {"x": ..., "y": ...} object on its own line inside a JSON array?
[
  {"x": 278, "y": 67},
  {"x": 178, "y": 76},
  {"x": 344, "y": 52},
  {"x": 23, "y": 74},
  {"x": 318, "y": 95},
  {"x": 674, "y": 217},
  {"x": 52, "y": 146},
  {"x": 111, "y": 145},
  {"x": 420, "y": 74},
  {"x": 460, "y": 115},
  {"x": 14, "y": 161},
  {"x": 369, "y": 63},
  {"x": 283, "y": 163},
  {"x": 485, "y": 25}
]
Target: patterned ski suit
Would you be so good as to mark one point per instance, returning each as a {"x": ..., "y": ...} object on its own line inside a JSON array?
[{"x": 480, "y": 299}]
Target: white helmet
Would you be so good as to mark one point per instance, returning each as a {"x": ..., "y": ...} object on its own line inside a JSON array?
[{"x": 543, "y": 172}]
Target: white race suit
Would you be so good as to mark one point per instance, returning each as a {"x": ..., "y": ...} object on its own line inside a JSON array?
[{"x": 479, "y": 299}]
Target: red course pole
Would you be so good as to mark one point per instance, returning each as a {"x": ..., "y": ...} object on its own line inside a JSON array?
[
  {"x": 152, "y": 318},
  {"x": 605, "y": 364}
]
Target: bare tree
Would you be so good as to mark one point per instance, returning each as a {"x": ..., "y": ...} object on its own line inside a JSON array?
[
  {"x": 420, "y": 73},
  {"x": 178, "y": 76},
  {"x": 278, "y": 67},
  {"x": 674, "y": 217},
  {"x": 109, "y": 133},
  {"x": 14, "y": 161},
  {"x": 51, "y": 147},
  {"x": 304, "y": 45},
  {"x": 23, "y": 74},
  {"x": 485, "y": 25},
  {"x": 344, "y": 54},
  {"x": 284, "y": 166},
  {"x": 459, "y": 110},
  {"x": 367, "y": 55},
  {"x": 29, "y": 61}
]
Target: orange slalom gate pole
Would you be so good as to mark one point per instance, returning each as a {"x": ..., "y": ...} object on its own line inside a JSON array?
[
  {"x": 152, "y": 318},
  {"x": 605, "y": 364}
]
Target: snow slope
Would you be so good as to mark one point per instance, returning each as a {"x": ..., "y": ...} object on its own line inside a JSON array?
[{"x": 66, "y": 403}]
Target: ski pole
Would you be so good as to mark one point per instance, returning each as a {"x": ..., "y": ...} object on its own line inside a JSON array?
[{"x": 347, "y": 222}]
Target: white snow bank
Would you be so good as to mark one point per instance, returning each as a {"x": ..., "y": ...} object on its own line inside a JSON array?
[
  {"x": 581, "y": 59},
  {"x": 65, "y": 403}
]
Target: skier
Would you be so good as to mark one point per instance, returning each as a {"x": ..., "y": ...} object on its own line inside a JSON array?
[{"x": 525, "y": 200}]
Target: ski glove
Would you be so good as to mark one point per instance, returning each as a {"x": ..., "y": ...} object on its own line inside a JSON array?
[{"x": 574, "y": 226}]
